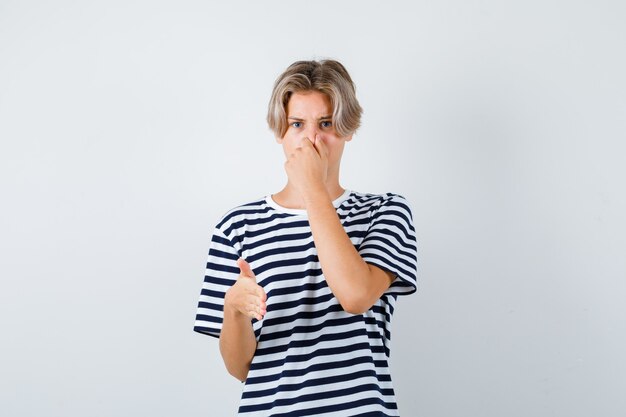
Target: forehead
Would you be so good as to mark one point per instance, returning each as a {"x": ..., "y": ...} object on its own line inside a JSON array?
[{"x": 309, "y": 103}]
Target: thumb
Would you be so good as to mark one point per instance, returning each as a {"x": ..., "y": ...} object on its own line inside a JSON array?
[
  {"x": 244, "y": 268},
  {"x": 306, "y": 141},
  {"x": 320, "y": 146}
]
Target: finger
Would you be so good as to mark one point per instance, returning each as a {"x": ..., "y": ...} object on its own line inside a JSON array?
[
  {"x": 261, "y": 310},
  {"x": 306, "y": 142},
  {"x": 254, "y": 303},
  {"x": 262, "y": 306},
  {"x": 320, "y": 146},
  {"x": 255, "y": 311},
  {"x": 258, "y": 301},
  {"x": 252, "y": 299},
  {"x": 258, "y": 298},
  {"x": 244, "y": 268},
  {"x": 257, "y": 292}
]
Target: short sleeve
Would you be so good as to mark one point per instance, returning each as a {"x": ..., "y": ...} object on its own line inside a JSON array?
[
  {"x": 220, "y": 274},
  {"x": 391, "y": 245}
]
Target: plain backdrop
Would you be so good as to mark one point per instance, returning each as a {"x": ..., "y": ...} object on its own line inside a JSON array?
[{"x": 129, "y": 127}]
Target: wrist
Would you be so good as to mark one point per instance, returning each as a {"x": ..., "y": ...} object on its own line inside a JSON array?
[
  {"x": 315, "y": 195},
  {"x": 230, "y": 310}
]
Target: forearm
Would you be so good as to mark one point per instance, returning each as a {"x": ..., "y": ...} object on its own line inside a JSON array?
[
  {"x": 347, "y": 274},
  {"x": 237, "y": 342}
]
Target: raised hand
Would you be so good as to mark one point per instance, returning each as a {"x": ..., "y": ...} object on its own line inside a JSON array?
[
  {"x": 307, "y": 166},
  {"x": 246, "y": 296}
]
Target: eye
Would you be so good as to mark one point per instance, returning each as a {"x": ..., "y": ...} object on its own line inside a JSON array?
[
  {"x": 326, "y": 124},
  {"x": 296, "y": 124}
]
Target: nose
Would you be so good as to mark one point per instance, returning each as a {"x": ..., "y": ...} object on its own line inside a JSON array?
[{"x": 310, "y": 132}]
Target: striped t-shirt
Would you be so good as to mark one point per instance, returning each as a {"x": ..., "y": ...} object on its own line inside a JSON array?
[{"x": 312, "y": 357}]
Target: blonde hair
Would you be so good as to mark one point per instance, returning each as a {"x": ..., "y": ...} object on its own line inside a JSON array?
[{"x": 326, "y": 76}]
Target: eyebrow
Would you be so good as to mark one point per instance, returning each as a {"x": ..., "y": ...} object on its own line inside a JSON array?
[{"x": 301, "y": 120}]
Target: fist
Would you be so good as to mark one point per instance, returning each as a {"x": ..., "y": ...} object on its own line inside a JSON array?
[{"x": 307, "y": 166}]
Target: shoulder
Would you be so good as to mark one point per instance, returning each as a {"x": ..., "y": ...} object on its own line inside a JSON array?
[
  {"x": 376, "y": 202},
  {"x": 241, "y": 213}
]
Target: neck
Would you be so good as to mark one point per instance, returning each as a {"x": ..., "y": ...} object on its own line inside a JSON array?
[{"x": 289, "y": 197}]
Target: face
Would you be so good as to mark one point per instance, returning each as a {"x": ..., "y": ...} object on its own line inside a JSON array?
[{"x": 308, "y": 114}]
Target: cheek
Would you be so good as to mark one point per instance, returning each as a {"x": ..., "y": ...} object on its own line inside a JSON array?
[
  {"x": 289, "y": 144},
  {"x": 335, "y": 147},
  {"x": 331, "y": 141}
]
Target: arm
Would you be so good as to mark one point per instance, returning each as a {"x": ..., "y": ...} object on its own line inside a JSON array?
[
  {"x": 244, "y": 300},
  {"x": 237, "y": 342},
  {"x": 356, "y": 284}
]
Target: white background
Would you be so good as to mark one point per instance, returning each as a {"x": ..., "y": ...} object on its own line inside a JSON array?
[{"x": 128, "y": 127}]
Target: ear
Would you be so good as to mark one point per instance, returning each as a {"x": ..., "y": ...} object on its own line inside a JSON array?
[
  {"x": 279, "y": 140},
  {"x": 348, "y": 138}
]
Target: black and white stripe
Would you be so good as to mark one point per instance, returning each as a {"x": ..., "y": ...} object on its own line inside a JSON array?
[{"x": 312, "y": 357}]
